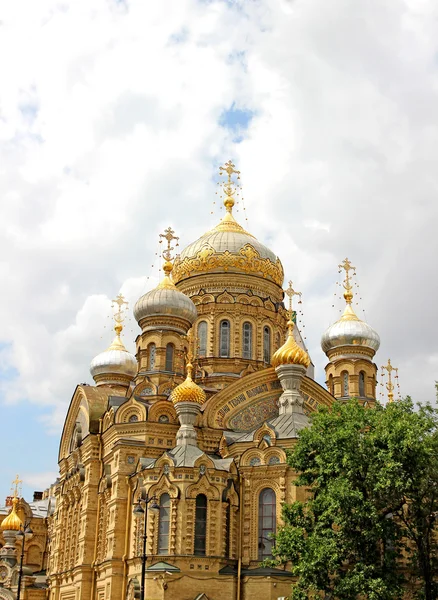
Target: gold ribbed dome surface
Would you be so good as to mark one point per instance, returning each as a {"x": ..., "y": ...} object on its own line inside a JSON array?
[
  {"x": 228, "y": 247},
  {"x": 12, "y": 521},
  {"x": 290, "y": 352},
  {"x": 188, "y": 390}
]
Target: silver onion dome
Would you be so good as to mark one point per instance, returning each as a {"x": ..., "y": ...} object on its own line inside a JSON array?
[
  {"x": 165, "y": 300},
  {"x": 350, "y": 331},
  {"x": 115, "y": 363}
]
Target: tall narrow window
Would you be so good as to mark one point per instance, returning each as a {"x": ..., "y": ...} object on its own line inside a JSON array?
[
  {"x": 163, "y": 526},
  {"x": 224, "y": 339},
  {"x": 267, "y": 522},
  {"x": 345, "y": 390},
  {"x": 201, "y": 525},
  {"x": 151, "y": 356},
  {"x": 330, "y": 385},
  {"x": 361, "y": 384},
  {"x": 266, "y": 344},
  {"x": 247, "y": 340},
  {"x": 202, "y": 338},
  {"x": 169, "y": 357}
]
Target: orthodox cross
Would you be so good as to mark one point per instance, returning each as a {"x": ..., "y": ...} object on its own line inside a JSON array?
[
  {"x": 120, "y": 301},
  {"x": 17, "y": 484},
  {"x": 228, "y": 188},
  {"x": 389, "y": 385},
  {"x": 291, "y": 293},
  {"x": 169, "y": 237},
  {"x": 347, "y": 266}
]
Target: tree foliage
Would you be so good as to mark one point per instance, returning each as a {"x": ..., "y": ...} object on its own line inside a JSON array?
[{"x": 368, "y": 529}]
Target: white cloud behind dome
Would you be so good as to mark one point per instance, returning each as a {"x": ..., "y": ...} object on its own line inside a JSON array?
[{"x": 114, "y": 117}]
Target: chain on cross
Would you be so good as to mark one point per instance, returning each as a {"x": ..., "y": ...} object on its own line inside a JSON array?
[
  {"x": 291, "y": 293},
  {"x": 169, "y": 236},
  {"x": 227, "y": 186},
  {"x": 347, "y": 266}
]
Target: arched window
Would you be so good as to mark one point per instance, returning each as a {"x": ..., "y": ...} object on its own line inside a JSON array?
[
  {"x": 266, "y": 344},
  {"x": 361, "y": 384},
  {"x": 170, "y": 348},
  {"x": 163, "y": 525},
  {"x": 202, "y": 338},
  {"x": 331, "y": 388},
  {"x": 201, "y": 525},
  {"x": 247, "y": 340},
  {"x": 224, "y": 339},
  {"x": 267, "y": 522},
  {"x": 345, "y": 388},
  {"x": 151, "y": 356}
]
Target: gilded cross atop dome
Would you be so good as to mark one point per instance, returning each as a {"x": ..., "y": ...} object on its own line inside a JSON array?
[
  {"x": 228, "y": 186},
  {"x": 169, "y": 236},
  {"x": 17, "y": 486},
  {"x": 119, "y": 314},
  {"x": 389, "y": 384},
  {"x": 291, "y": 293},
  {"x": 347, "y": 266}
]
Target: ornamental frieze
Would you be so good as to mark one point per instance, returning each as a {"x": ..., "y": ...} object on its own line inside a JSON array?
[{"x": 248, "y": 261}]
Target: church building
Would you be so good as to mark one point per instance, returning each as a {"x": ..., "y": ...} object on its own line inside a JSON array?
[{"x": 172, "y": 466}]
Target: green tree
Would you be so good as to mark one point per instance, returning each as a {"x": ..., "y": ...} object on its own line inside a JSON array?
[{"x": 369, "y": 526}]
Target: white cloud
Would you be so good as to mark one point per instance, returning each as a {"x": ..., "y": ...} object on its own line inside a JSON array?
[
  {"x": 39, "y": 481},
  {"x": 109, "y": 131}
]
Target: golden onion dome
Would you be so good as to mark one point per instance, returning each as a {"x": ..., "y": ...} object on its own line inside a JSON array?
[
  {"x": 12, "y": 522},
  {"x": 114, "y": 361},
  {"x": 166, "y": 301},
  {"x": 188, "y": 390},
  {"x": 228, "y": 247},
  {"x": 290, "y": 353},
  {"x": 349, "y": 330}
]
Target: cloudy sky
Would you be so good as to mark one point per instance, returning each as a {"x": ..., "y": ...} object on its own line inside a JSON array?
[{"x": 114, "y": 117}]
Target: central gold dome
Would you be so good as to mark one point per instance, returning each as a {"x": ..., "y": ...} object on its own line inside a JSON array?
[{"x": 228, "y": 247}]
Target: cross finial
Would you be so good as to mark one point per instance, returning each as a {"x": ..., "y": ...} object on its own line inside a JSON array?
[
  {"x": 169, "y": 237},
  {"x": 291, "y": 293},
  {"x": 17, "y": 486},
  {"x": 389, "y": 384},
  {"x": 227, "y": 186},
  {"x": 347, "y": 266},
  {"x": 119, "y": 315}
]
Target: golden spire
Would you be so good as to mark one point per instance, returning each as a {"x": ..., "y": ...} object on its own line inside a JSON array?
[
  {"x": 389, "y": 384},
  {"x": 188, "y": 390},
  {"x": 13, "y": 521},
  {"x": 228, "y": 186},
  {"x": 290, "y": 352},
  {"x": 168, "y": 258},
  {"x": 119, "y": 318}
]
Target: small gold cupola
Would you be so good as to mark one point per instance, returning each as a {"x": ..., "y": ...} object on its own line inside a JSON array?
[{"x": 13, "y": 522}]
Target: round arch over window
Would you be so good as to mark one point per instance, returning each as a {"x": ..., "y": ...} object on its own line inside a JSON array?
[
  {"x": 267, "y": 522},
  {"x": 224, "y": 339},
  {"x": 247, "y": 340}
]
